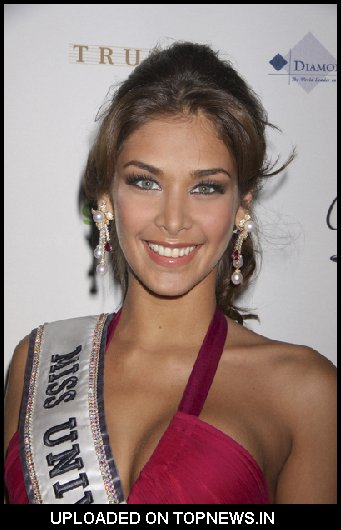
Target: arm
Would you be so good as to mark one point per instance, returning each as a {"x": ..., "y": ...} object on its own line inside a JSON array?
[
  {"x": 14, "y": 390},
  {"x": 309, "y": 473}
]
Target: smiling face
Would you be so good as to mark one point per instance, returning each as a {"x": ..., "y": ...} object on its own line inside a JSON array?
[{"x": 175, "y": 198}]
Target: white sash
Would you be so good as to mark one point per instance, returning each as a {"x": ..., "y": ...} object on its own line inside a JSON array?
[{"x": 65, "y": 450}]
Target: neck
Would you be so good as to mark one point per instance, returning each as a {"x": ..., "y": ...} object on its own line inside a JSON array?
[{"x": 151, "y": 321}]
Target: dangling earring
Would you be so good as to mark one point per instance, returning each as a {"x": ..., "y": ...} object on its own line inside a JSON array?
[
  {"x": 102, "y": 218},
  {"x": 245, "y": 226}
]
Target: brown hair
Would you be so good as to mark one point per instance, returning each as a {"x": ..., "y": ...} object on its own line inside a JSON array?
[{"x": 187, "y": 78}]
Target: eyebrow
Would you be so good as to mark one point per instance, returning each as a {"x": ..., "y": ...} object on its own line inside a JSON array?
[{"x": 195, "y": 173}]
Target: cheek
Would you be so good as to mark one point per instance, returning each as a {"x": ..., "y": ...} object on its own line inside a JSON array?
[
  {"x": 218, "y": 223},
  {"x": 132, "y": 214}
]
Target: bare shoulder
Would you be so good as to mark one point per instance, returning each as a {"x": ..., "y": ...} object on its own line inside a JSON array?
[
  {"x": 298, "y": 361},
  {"x": 309, "y": 379},
  {"x": 295, "y": 386},
  {"x": 303, "y": 370},
  {"x": 14, "y": 389},
  {"x": 296, "y": 378},
  {"x": 306, "y": 382}
]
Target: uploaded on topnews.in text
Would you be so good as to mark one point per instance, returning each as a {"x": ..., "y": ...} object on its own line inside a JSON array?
[{"x": 163, "y": 517}]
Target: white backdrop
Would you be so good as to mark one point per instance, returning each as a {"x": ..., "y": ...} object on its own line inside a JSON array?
[{"x": 52, "y": 95}]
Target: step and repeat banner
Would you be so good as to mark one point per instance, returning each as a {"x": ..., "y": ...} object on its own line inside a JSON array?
[{"x": 60, "y": 63}]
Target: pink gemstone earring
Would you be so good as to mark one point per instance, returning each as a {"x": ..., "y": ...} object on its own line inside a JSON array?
[
  {"x": 245, "y": 226},
  {"x": 102, "y": 218}
]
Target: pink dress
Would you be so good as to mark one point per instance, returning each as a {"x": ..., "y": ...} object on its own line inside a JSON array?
[{"x": 193, "y": 462}]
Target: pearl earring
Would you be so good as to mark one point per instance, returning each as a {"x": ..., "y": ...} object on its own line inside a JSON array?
[
  {"x": 245, "y": 226},
  {"x": 102, "y": 218}
]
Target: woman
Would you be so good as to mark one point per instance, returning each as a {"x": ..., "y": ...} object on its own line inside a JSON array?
[{"x": 187, "y": 405}]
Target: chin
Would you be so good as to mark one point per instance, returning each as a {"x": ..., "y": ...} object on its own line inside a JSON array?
[
  {"x": 166, "y": 291},
  {"x": 169, "y": 289},
  {"x": 168, "y": 286},
  {"x": 171, "y": 293}
]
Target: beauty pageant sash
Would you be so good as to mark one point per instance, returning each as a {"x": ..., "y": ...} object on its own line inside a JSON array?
[{"x": 65, "y": 452}]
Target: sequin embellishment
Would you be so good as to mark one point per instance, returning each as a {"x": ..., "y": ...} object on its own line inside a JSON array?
[
  {"x": 28, "y": 417},
  {"x": 94, "y": 414}
]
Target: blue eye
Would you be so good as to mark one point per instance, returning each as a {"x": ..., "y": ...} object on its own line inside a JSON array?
[
  {"x": 143, "y": 182},
  {"x": 208, "y": 188}
]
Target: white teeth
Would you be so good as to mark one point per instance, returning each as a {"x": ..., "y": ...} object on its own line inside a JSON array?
[{"x": 171, "y": 252}]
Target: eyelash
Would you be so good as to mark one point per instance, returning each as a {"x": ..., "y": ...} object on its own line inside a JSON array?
[{"x": 132, "y": 180}]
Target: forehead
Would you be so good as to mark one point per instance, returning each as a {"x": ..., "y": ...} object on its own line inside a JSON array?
[{"x": 185, "y": 140}]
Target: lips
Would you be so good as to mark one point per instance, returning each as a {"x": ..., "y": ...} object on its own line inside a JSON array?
[
  {"x": 170, "y": 244},
  {"x": 171, "y": 253}
]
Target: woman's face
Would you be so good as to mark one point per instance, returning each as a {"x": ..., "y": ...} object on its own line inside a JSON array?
[{"x": 175, "y": 198}]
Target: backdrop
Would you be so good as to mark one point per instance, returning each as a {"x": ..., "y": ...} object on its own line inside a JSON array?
[{"x": 60, "y": 61}]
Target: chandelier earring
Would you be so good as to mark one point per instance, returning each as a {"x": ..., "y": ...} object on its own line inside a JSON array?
[
  {"x": 102, "y": 219},
  {"x": 245, "y": 226}
]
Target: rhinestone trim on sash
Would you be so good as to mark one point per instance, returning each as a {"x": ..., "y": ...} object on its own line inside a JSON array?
[
  {"x": 28, "y": 417},
  {"x": 94, "y": 414}
]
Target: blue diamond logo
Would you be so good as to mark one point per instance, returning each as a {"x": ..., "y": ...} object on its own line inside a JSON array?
[
  {"x": 278, "y": 62},
  {"x": 308, "y": 64}
]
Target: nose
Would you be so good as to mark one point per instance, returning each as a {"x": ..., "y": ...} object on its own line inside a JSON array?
[{"x": 174, "y": 213}]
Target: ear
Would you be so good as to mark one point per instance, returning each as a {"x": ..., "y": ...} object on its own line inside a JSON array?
[
  {"x": 105, "y": 197},
  {"x": 243, "y": 208}
]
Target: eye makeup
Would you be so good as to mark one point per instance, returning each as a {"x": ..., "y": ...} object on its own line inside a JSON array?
[{"x": 146, "y": 183}]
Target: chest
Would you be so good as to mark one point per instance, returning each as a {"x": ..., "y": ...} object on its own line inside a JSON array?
[{"x": 140, "y": 402}]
